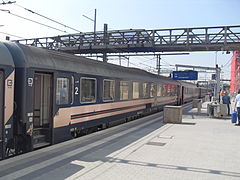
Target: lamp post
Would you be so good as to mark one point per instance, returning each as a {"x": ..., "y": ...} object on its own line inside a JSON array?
[
  {"x": 94, "y": 21},
  {"x": 218, "y": 72}
]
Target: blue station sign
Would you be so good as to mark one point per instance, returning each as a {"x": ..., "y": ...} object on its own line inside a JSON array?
[
  {"x": 185, "y": 75},
  {"x": 213, "y": 76}
]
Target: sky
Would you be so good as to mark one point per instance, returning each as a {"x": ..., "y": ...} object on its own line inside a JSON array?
[{"x": 126, "y": 14}]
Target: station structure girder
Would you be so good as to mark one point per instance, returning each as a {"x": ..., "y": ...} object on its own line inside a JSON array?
[{"x": 219, "y": 38}]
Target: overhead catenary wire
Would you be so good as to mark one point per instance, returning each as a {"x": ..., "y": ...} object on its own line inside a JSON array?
[
  {"x": 153, "y": 59},
  {"x": 148, "y": 59},
  {"x": 129, "y": 62},
  {"x": 227, "y": 62},
  {"x": 167, "y": 62},
  {"x": 9, "y": 2},
  {"x": 142, "y": 64},
  {"x": 12, "y": 35},
  {"x": 50, "y": 19},
  {"x": 7, "y": 11}
]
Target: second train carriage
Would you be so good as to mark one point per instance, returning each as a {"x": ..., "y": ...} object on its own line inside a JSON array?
[
  {"x": 188, "y": 92},
  {"x": 59, "y": 96},
  {"x": 203, "y": 92}
]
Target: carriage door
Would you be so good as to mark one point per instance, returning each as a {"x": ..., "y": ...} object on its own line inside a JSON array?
[
  {"x": 1, "y": 115},
  {"x": 42, "y": 121}
]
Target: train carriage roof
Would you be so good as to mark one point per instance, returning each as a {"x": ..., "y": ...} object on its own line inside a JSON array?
[
  {"x": 187, "y": 84},
  {"x": 33, "y": 57},
  {"x": 5, "y": 56}
]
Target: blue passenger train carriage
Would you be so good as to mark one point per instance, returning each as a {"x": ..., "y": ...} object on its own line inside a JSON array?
[{"x": 59, "y": 96}]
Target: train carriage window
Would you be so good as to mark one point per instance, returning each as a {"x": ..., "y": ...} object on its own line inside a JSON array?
[
  {"x": 88, "y": 90},
  {"x": 165, "y": 90},
  {"x": 169, "y": 90},
  {"x": 124, "y": 88},
  {"x": 159, "y": 90},
  {"x": 153, "y": 90},
  {"x": 145, "y": 91},
  {"x": 172, "y": 90},
  {"x": 175, "y": 90},
  {"x": 108, "y": 90},
  {"x": 62, "y": 92},
  {"x": 136, "y": 90}
]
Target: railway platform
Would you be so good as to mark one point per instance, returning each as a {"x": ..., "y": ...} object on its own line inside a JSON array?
[{"x": 199, "y": 148}]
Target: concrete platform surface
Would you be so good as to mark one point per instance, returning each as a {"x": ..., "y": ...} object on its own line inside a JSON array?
[{"x": 199, "y": 148}]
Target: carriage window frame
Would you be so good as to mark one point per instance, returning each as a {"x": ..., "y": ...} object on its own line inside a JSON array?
[
  {"x": 159, "y": 90},
  {"x": 145, "y": 90},
  {"x": 58, "y": 91},
  {"x": 81, "y": 91},
  {"x": 113, "y": 98},
  {"x": 138, "y": 90},
  {"x": 164, "y": 90},
  {"x": 174, "y": 90},
  {"x": 152, "y": 90},
  {"x": 120, "y": 90}
]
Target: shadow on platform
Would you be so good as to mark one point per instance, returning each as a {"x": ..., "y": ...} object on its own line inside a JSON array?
[{"x": 173, "y": 167}]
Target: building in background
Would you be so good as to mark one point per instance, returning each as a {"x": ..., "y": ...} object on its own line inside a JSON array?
[{"x": 235, "y": 72}]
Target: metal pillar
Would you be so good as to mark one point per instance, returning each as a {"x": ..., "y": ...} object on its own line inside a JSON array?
[
  {"x": 105, "y": 29},
  {"x": 105, "y": 57},
  {"x": 158, "y": 64},
  {"x": 120, "y": 61},
  {"x": 95, "y": 25},
  {"x": 217, "y": 87}
]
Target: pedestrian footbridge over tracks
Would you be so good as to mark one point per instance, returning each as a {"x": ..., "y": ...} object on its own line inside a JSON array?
[{"x": 219, "y": 38}]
